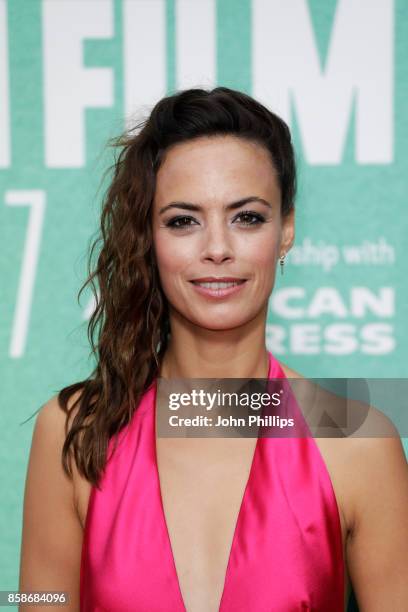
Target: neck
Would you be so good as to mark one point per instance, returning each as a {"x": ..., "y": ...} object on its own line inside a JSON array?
[
  {"x": 219, "y": 362},
  {"x": 195, "y": 351}
]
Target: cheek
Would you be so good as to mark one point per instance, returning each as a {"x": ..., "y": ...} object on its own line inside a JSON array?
[
  {"x": 262, "y": 252},
  {"x": 173, "y": 257}
]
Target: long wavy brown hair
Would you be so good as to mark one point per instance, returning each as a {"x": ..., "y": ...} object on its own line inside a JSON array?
[{"x": 129, "y": 328}]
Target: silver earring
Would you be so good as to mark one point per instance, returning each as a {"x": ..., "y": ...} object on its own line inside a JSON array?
[{"x": 282, "y": 262}]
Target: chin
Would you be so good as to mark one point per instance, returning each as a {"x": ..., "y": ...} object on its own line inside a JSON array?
[{"x": 224, "y": 324}]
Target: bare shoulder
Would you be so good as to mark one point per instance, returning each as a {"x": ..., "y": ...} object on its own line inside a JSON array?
[
  {"x": 380, "y": 465},
  {"x": 49, "y": 434},
  {"x": 51, "y": 534},
  {"x": 52, "y": 425},
  {"x": 57, "y": 420},
  {"x": 53, "y": 418},
  {"x": 378, "y": 549}
]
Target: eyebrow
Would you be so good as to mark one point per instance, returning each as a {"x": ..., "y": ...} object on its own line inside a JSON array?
[{"x": 231, "y": 206}]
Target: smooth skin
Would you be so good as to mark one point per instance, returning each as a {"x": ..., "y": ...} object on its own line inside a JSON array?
[{"x": 209, "y": 339}]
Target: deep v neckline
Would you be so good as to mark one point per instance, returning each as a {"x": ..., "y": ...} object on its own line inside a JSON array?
[{"x": 238, "y": 520}]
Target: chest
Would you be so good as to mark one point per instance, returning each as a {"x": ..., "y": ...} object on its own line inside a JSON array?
[{"x": 202, "y": 497}]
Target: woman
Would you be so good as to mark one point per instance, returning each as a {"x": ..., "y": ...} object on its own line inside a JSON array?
[{"x": 203, "y": 192}]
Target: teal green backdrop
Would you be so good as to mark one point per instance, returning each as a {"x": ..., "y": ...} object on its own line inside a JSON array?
[{"x": 73, "y": 73}]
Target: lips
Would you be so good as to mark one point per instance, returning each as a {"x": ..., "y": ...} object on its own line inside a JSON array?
[
  {"x": 218, "y": 289},
  {"x": 219, "y": 279}
]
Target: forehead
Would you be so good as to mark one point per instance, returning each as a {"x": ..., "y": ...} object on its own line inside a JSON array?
[{"x": 216, "y": 168}]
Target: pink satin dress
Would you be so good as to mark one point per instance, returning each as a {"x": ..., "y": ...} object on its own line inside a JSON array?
[{"x": 286, "y": 553}]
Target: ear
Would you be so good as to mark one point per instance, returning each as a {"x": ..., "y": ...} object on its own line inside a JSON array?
[{"x": 288, "y": 232}]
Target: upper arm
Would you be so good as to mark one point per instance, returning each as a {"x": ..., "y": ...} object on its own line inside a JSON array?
[
  {"x": 377, "y": 553},
  {"x": 52, "y": 534}
]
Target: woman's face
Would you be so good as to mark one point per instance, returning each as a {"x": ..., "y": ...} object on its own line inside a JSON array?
[{"x": 198, "y": 234}]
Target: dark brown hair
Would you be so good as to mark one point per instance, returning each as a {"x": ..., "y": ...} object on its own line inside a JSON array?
[{"x": 129, "y": 328}]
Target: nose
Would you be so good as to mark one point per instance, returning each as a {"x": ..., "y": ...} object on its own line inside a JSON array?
[{"x": 217, "y": 243}]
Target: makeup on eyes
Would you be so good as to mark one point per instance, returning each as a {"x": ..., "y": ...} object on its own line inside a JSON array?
[{"x": 257, "y": 219}]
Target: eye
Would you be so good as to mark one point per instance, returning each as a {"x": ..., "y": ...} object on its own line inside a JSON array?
[
  {"x": 176, "y": 222},
  {"x": 183, "y": 221},
  {"x": 257, "y": 218}
]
